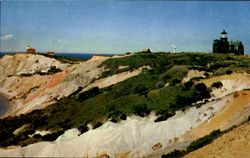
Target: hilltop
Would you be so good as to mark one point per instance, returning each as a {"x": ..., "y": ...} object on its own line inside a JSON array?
[{"x": 133, "y": 105}]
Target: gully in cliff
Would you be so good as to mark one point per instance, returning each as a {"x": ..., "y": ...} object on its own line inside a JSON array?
[{"x": 3, "y": 104}]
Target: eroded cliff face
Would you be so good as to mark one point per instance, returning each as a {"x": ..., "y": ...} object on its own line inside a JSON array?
[
  {"x": 134, "y": 137},
  {"x": 28, "y": 90},
  {"x": 142, "y": 137},
  {"x": 21, "y": 82}
]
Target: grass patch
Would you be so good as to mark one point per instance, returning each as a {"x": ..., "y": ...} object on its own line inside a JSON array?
[{"x": 65, "y": 59}]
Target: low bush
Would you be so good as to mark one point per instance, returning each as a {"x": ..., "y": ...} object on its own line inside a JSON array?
[
  {"x": 229, "y": 71},
  {"x": 206, "y": 74},
  {"x": 98, "y": 124},
  {"x": 188, "y": 85},
  {"x": 76, "y": 92},
  {"x": 123, "y": 117},
  {"x": 52, "y": 136},
  {"x": 217, "y": 84},
  {"x": 140, "y": 89},
  {"x": 204, "y": 140},
  {"x": 174, "y": 82},
  {"x": 53, "y": 70},
  {"x": 175, "y": 154},
  {"x": 196, "y": 78},
  {"x": 88, "y": 94},
  {"x": 83, "y": 129},
  {"x": 141, "y": 109},
  {"x": 113, "y": 120},
  {"x": 37, "y": 136},
  {"x": 164, "y": 117}
]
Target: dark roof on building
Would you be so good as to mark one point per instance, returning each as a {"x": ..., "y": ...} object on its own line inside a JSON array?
[
  {"x": 146, "y": 50},
  {"x": 224, "y": 32}
]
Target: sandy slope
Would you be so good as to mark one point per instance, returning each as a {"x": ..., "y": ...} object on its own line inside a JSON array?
[
  {"x": 236, "y": 111},
  {"x": 235, "y": 144}
]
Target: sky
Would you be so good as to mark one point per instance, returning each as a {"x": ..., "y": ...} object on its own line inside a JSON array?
[{"x": 121, "y": 26}]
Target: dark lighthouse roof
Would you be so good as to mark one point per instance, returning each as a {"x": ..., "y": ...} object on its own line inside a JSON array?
[{"x": 224, "y": 32}]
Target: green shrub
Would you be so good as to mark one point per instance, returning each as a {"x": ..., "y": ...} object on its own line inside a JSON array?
[
  {"x": 37, "y": 136},
  {"x": 217, "y": 84},
  {"x": 140, "y": 109},
  {"x": 175, "y": 154},
  {"x": 196, "y": 78},
  {"x": 206, "y": 74},
  {"x": 52, "y": 136},
  {"x": 140, "y": 89},
  {"x": 98, "y": 124},
  {"x": 123, "y": 117},
  {"x": 164, "y": 117},
  {"x": 229, "y": 71},
  {"x": 88, "y": 94},
  {"x": 188, "y": 85},
  {"x": 204, "y": 140},
  {"x": 83, "y": 129},
  {"x": 113, "y": 120},
  {"x": 174, "y": 82},
  {"x": 76, "y": 92},
  {"x": 54, "y": 70},
  {"x": 218, "y": 65}
]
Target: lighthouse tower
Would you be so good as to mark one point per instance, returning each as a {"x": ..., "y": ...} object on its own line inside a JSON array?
[
  {"x": 28, "y": 47},
  {"x": 224, "y": 36}
]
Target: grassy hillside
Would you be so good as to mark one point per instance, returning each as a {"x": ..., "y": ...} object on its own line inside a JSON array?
[{"x": 137, "y": 95}]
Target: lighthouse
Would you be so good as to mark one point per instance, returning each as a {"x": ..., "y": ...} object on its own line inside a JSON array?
[
  {"x": 224, "y": 34},
  {"x": 28, "y": 47},
  {"x": 223, "y": 46},
  {"x": 30, "y": 50}
]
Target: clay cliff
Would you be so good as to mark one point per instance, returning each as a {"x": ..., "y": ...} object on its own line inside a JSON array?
[{"x": 29, "y": 85}]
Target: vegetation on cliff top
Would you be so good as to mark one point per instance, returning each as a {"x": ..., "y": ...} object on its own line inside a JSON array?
[
  {"x": 137, "y": 95},
  {"x": 65, "y": 59}
]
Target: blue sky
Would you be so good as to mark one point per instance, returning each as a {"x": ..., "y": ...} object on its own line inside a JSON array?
[{"x": 121, "y": 26}]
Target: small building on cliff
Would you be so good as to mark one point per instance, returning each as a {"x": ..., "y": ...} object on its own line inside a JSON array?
[
  {"x": 50, "y": 53},
  {"x": 31, "y": 50},
  {"x": 146, "y": 50},
  {"x": 223, "y": 46}
]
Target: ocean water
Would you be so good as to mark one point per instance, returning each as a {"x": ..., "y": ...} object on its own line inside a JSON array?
[
  {"x": 74, "y": 55},
  {"x": 3, "y": 105}
]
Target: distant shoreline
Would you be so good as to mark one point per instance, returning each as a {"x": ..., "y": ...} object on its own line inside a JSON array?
[{"x": 74, "y": 55}]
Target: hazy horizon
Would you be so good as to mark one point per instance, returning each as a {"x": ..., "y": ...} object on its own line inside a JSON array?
[{"x": 117, "y": 27}]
